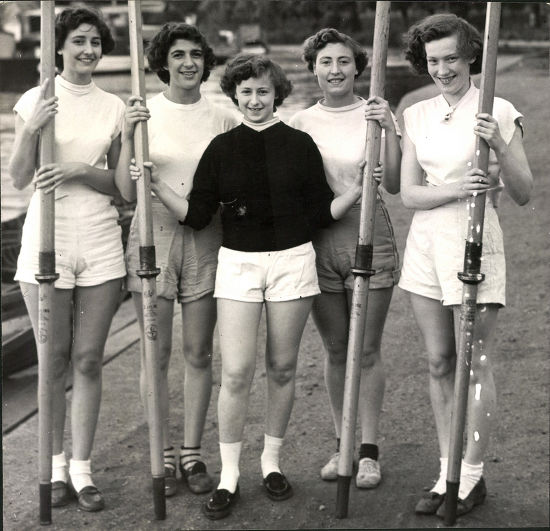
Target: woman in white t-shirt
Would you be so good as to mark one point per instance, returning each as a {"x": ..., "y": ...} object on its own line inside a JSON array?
[
  {"x": 88, "y": 245},
  {"x": 438, "y": 181},
  {"x": 181, "y": 124},
  {"x": 338, "y": 125}
]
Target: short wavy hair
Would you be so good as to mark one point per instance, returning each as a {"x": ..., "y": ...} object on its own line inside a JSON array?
[
  {"x": 434, "y": 27},
  {"x": 157, "y": 50},
  {"x": 71, "y": 18},
  {"x": 245, "y": 66},
  {"x": 317, "y": 42}
]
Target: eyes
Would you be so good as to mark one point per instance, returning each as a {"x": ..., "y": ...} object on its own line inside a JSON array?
[
  {"x": 451, "y": 59},
  {"x": 260, "y": 92},
  {"x": 81, "y": 41},
  {"x": 343, "y": 61},
  {"x": 194, "y": 54}
]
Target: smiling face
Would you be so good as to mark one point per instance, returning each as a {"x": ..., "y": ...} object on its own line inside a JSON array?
[
  {"x": 185, "y": 63},
  {"x": 450, "y": 71},
  {"x": 335, "y": 70},
  {"x": 256, "y": 97},
  {"x": 81, "y": 52}
]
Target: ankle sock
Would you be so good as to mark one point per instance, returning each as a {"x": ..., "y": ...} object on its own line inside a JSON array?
[
  {"x": 270, "y": 455},
  {"x": 81, "y": 474},
  {"x": 441, "y": 484},
  {"x": 170, "y": 457},
  {"x": 59, "y": 468},
  {"x": 189, "y": 455},
  {"x": 368, "y": 450},
  {"x": 469, "y": 476},
  {"x": 230, "y": 455}
]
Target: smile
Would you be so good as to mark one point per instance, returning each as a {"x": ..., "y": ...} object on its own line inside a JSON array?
[
  {"x": 87, "y": 60},
  {"x": 446, "y": 80}
]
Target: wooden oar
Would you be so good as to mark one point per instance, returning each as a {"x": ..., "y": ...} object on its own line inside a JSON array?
[
  {"x": 46, "y": 276},
  {"x": 362, "y": 270},
  {"x": 471, "y": 276},
  {"x": 148, "y": 270}
]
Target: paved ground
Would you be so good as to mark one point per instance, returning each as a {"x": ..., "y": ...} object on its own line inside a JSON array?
[{"x": 517, "y": 463}]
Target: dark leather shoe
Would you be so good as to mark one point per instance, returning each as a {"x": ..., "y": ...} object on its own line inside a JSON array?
[
  {"x": 170, "y": 483},
  {"x": 90, "y": 499},
  {"x": 429, "y": 503},
  {"x": 277, "y": 487},
  {"x": 60, "y": 494},
  {"x": 220, "y": 504},
  {"x": 197, "y": 478},
  {"x": 476, "y": 497}
]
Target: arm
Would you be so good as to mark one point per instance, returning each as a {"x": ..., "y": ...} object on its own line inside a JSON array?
[
  {"x": 514, "y": 167},
  {"x": 379, "y": 109},
  {"x": 415, "y": 195}
]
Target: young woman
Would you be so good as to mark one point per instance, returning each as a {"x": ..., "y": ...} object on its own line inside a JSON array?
[
  {"x": 269, "y": 179},
  {"x": 181, "y": 125},
  {"x": 89, "y": 256},
  {"x": 338, "y": 125},
  {"x": 438, "y": 147}
]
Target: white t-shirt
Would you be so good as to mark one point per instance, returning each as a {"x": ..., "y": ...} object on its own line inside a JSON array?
[
  {"x": 87, "y": 122},
  {"x": 179, "y": 134},
  {"x": 445, "y": 148},
  {"x": 340, "y": 134}
]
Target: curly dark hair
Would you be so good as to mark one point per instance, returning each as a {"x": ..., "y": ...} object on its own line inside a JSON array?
[
  {"x": 245, "y": 66},
  {"x": 157, "y": 51},
  {"x": 317, "y": 42},
  {"x": 434, "y": 27},
  {"x": 69, "y": 19}
]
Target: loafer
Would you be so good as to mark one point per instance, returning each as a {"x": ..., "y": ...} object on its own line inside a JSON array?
[
  {"x": 220, "y": 504},
  {"x": 277, "y": 487},
  {"x": 429, "y": 503},
  {"x": 60, "y": 494},
  {"x": 170, "y": 483},
  {"x": 90, "y": 499},
  {"x": 476, "y": 497},
  {"x": 197, "y": 478}
]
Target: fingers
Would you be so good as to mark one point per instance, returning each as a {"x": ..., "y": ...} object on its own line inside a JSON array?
[
  {"x": 44, "y": 88},
  {"x": 133, "y": 99}
]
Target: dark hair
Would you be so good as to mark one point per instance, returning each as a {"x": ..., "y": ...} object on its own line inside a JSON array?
[
  {"x": 71, "y": 18},
  {"x": 317, "y": 42},
  {"x": 434, "y": 27},
  {"x": 157, "y": 51},
  {"x": 245, "y": 66}
]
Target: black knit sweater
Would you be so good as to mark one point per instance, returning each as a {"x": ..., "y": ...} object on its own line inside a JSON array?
[{"x": 271, "y": 186}]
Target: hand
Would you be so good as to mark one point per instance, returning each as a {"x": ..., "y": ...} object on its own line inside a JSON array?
[
  {"x": 378, "y": 173},
  {"x": 474, "y": 182},
  {"x": 378, "y": 109},
  {"x": 135, "y": 171},
  {"x": 358, "y": 181},
  {"x": 487, "y": 128},
  {"x": 134, "y": 113},
  {"x": 50, "y": 176},
  {"x": 44, "y": 110}
]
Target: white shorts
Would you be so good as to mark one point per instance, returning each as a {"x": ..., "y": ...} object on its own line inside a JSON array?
[
  {"x": 434, "y": 254},
  {"x": 88, "y": 242},
  {"x": 267, "y": 276}
]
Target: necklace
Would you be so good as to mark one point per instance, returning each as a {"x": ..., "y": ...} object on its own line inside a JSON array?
[{"x": 449, "y": 113}]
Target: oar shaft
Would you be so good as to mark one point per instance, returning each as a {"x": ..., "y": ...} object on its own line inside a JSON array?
[
  {"x": 362, "y": 270},
  {"x": 148, "y": 270},
  {"x": 471, "y": 276},
  {"x": 46, "y": 275}
]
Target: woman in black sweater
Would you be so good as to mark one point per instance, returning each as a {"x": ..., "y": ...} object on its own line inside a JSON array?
[{"x": 270, "y": 183}]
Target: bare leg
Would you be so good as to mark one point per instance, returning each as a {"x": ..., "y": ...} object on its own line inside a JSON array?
[
  {"x": 238, "y": 327},
  {"x": 285, "y": 325},
  {"x": 94, "y": 308},
  {"x": 62, "y": 334},
  {"x": 165, "y": 315},
  {"x": 198, "y": 321}
]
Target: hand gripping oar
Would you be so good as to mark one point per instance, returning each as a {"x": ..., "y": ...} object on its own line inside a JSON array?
[
  {"x": 148, "y": 270},
  {"x": 46, "y": 274},
  {"x": 471, "y": 276},
  {"x": 362, "y": 270}
]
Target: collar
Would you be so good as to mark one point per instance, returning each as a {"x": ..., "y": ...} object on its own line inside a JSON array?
[
  {"x": 448, "y": 110},
  {"x": 74, "y": 88},
  {"x": 261, "y": 126}
]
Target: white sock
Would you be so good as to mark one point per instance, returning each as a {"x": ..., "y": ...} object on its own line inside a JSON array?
[
  {"x": 270, "y": 455},
  {"x": 81, "y": 474},
  {"x": 59, "y": 468},
  {"x": 469, "y": 476},
  {"x": 441, "y": 484},
  {"x": 230, "y": 454},
  {"x": 189, "y": 455}
]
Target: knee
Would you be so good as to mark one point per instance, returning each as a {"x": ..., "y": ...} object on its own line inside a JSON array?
[
  {"x": 236, "y": 382},
  {"x": 281, "y": 374},
  {"x": 442, "y": 365},
  {"x": 370, "y": 357},
  {"x": 59, "y": 365},
  {"x": 480, "y": 369},
  {"x": 198, "y": 358},
  {"x": 337, "y": 351},
  {"x": 88, "y": 363}
]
